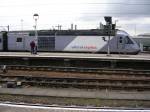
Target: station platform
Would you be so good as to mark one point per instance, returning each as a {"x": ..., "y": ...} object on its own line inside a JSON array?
[
  {"x": 85, "y": 60},
  {"x": 143, "y": 57}
]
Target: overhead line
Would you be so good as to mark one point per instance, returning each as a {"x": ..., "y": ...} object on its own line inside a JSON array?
[
  {"x": 141, "y": 13},
  {"x": 121, "y": 3},
  {"x": 13, "y": 5}
]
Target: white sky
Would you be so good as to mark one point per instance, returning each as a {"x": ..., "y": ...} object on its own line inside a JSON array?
[{"x": 132, "y": 15}]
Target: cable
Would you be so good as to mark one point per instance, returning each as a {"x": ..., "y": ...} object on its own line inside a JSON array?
[
  {"x": 95, "y": 14},
  {"x": 120, "y": 3},
  {"x": 115, "y": 3}
]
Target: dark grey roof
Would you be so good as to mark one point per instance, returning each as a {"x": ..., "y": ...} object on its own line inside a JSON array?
[
  {"x": 73, "y": 32},
  {"x": 99, "y": 32}
]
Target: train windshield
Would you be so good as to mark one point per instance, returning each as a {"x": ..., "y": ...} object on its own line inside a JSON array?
[{"x": 128, "y": 40}]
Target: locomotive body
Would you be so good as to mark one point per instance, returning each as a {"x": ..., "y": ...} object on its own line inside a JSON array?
[{"x": 69, "y": 41}]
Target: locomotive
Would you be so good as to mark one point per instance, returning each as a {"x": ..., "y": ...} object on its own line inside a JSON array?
[{"x": 93, "y": 41}]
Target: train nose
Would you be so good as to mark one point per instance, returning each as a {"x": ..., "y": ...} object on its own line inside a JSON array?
[
  {"x": 137, "y": 52},
  {"x": 136, "y": 48}
]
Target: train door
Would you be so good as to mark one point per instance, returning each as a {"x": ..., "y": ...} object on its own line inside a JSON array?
[
  {"x": 5, "y": 41},
  {"x": 15, "y": 41},
  {"x": 20, "y": 43},
  {"x": 120, "y": 43}
]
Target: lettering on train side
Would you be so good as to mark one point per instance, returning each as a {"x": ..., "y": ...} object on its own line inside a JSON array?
[{"x": 84, "y": 47}]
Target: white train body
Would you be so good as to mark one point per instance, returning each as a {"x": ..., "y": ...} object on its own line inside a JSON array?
[
  {"x": 20, "y": 41},
  {"x": 79, "y": 43}
]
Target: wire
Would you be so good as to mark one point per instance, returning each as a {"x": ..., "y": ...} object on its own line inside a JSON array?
[
  {"x": 98, "y": 3},
  {"x": 99, "y": 14},
  {"x": 120, "y": 3}
]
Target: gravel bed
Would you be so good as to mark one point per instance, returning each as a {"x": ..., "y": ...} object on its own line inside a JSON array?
[{"x": 74, "y": 101}]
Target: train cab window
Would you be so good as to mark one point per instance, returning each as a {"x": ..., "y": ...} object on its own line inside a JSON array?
[
  {"x": 128, "y": 40},
  {"x": 120, "y": 39},
  {"x": 19, "y": 39}
]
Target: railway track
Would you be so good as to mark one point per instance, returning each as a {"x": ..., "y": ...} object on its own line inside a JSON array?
[
  {"x": 77, "y": 69},
  {"x": 102, "y": 83},
  {"x": 88, "y": 78}
]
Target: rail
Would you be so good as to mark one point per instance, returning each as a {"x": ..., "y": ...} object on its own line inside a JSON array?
[
  {"x": 123, "y": 79},
  {"x": 81, "y": 83},
  {"x": 74, "y": 69}
]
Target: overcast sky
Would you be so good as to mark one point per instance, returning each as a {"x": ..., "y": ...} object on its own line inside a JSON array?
[{"x": 131, "y": 15}]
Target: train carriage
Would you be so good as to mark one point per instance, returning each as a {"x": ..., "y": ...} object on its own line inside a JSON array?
[{"x": 71, "y": 41}]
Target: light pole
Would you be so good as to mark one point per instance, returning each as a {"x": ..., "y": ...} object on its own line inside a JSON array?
[
  {"x": 36, "y": 17},
  {"x": 21, "y": 24},
  {"x": 135, "y": 29},
  {"x": 108, "y": 20},
  {"x": 108, "y": 47}
]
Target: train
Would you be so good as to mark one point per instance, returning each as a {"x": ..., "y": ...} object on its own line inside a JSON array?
[{"x": 92, "y": 40}]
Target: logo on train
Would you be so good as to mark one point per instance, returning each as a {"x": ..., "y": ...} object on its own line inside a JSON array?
[{"x": 84, "y": 47}]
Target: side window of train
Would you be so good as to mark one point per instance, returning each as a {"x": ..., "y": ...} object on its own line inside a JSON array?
[
  {"x": 0, "y": 40},
  {"x": 120, "y": 39},
  {"x": 128, "y": 40},
  {"x": 19, "y": 39}
]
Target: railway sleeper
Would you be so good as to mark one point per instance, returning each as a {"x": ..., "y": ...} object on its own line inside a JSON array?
[
  {"x": 87, "y": 86},
  {"x": 83, "y": 70},
  {"x": 127, "y": 82}
]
